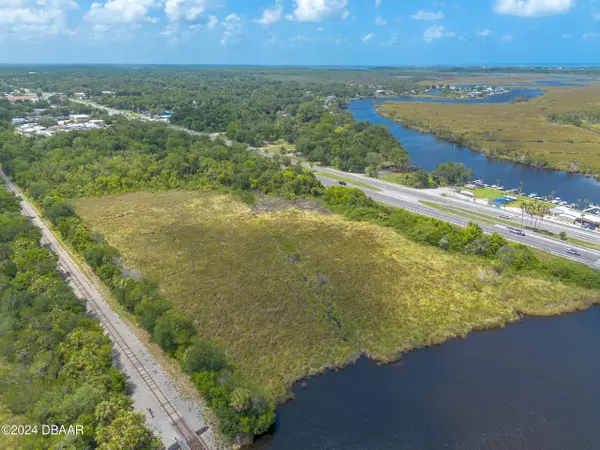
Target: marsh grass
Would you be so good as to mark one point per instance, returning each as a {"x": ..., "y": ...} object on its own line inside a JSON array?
[
  {"x": 519, "y": 131},
  {"x": 288, "y": 293}
]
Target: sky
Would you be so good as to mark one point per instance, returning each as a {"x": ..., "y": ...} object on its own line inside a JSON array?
[{"x": 300, "y": 32}]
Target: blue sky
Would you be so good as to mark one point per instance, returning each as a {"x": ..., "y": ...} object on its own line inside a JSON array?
[{"x": 288, "y": 32}]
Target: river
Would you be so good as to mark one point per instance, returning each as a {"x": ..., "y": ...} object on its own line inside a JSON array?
[
  {"x": 428, "y": 151},
  {"x": 533, "y": 384}
]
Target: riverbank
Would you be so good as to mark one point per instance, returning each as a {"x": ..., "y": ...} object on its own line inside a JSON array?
[
  {"x": 508, "y": 150},
  {"x": 520, "y": 132},
  {"x": 532, "y": 384},
  {"x": 322, "y": 290}
]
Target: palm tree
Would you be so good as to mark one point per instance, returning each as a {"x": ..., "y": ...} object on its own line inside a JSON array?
[
  {"x": 523, "y": 208},
  {"x": 552, "y": 195},
  {"x": 544, "y": 210},
  {"x": 578, "y": 203},
  {"x": 521, "y": 187}
]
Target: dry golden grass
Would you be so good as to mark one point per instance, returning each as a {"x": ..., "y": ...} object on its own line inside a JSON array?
[
  {"x": 287, "y": 293},
  {"x": 515, "y": 130}
]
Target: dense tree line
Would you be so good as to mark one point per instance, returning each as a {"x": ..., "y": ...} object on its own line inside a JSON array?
[
  {"x": 445, "y": 174},
  {"x": 55, "y": 361},
  {"x": 132, "y": 156},
  {"x": 576, "y": 117},
  {"x": 241, "y": 408},
  {"x": 354, "y": 204},
  {"x": 338, "y": 140}
]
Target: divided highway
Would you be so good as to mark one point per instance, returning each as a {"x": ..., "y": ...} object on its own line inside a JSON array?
[{"x": 410, "y": 199}]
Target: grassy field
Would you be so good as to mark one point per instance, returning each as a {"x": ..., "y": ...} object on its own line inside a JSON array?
[
  {"x": 501, "y": 79},
  {"x": 518, "y": 131},
  {"x": 492, "y": 194},
  {"x": 288, "y": 290}
]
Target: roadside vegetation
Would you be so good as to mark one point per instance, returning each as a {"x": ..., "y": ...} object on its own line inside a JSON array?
[
  {"x": 445, "y": 174},
  {"x": 55, "y": 361},
  {"x": 549, "y": 131}
]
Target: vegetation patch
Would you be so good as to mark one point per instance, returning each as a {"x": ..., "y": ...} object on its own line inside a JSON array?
[
  {"x": 542, "y": 132},
  {"x": 289, "y": 293}
]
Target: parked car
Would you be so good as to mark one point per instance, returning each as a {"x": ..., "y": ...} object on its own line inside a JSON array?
[
  {"x": 572, "y": 251},
  {"x": 343, "y": 183},
  {"x": 504, "y": 216}
]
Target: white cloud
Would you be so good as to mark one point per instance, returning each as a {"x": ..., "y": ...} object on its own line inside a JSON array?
[
  {"x": 436, "y": 32},
  {"x": 188, "y": 10},
  {"x": 120, "y": 12},
  {"x": 507, "y": 38},
  {"x": 427, "y": 15},
  {"x": 566, "y": 36},
  {"x": 317, "y": 10},
  {"x": 272, "y": 39},
  {"x": 380, "y": 21},
  {"x": 272, "y": 15},
  {"x": 320, "y": 29},
  {"x": 596, "y": 15},
  {"x": 31, "y": 19},
  {"x": 377, "y": 3},
  {"x": 233, "y": 26},
  {"x": 367, "y": 37},
  {"x": 590, "y": 35},
  {"x": 483, "y": 32},
  {"x": 532, "y": 8},
  {"x": 212, "y": 22}
]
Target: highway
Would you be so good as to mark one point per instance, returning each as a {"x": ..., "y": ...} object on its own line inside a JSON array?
[
  {"x": 410, "y": 199},
  {"x": 173, "y": 418}
]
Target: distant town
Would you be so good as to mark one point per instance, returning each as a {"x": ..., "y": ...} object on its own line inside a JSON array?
[
  {"x": 447, "y": 90},
  {"x": 51, "y": 119}
]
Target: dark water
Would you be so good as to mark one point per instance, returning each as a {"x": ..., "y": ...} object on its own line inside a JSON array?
[
  {"x": 428, "y": 151},
  {"x": 532, "y": 385}
]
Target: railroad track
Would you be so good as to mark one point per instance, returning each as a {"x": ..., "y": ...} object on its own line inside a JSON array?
[
  {"x": 192, "y": 440},
  {"x": 85, "y": 290}
]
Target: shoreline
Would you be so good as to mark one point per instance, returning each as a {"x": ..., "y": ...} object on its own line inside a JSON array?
[{"x": 452, "y": 139}]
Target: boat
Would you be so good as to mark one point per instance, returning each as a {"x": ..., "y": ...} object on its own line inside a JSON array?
[{"x": 563, "y": 203}]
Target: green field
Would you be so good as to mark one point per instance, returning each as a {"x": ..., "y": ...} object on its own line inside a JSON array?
[
  {"x": 519, "y": 131},
  {"x": 492, "y": 194},
  {"x": 287, "y": 289}
]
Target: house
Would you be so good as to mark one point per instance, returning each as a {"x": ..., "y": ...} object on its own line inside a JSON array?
[
  {"x": 18, "y": 121},
  {"x": 79, "y": 118},
  {"x": 22, "y": 98},
  {"x": 97, "y": 123},
  {"x": 79, "y": 95}
]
